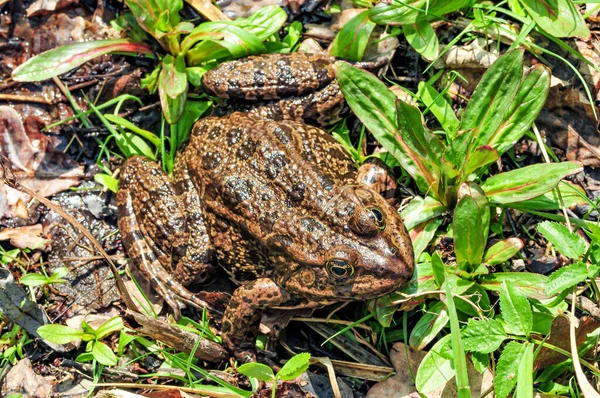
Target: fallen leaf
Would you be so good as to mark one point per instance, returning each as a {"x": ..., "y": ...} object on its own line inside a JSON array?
[
  {"x": 36, "y": 164},
  {"x": 559, "y": 337},
  {"x": 22, "y": 379},
  {"x": 41, "y": 7},
  {"x": 29, "y": 236}
]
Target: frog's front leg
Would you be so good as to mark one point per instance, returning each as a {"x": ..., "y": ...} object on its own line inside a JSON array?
[
  {"x": 163, "y": 229},
  {"x": 242, "y": 317}
]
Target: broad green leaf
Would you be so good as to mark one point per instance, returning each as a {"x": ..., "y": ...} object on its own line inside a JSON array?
[
  {"x": 478, "y": 160},
  {"x": 439, "y": 268},
  {"x": 435, "y": 369},
  {"x": 237, "y": 41},
  {"x": 264, "y": 23},
  {"x": 572, "y": 195},
  {"x": 422, "y": 38},
  {"x": 107, "y": 181},
  {"x": 33, "y": 280},
  {"x": 484, "y": 335},
  {"x": 560, "y": 18},
  {"x": 502, "y": 251},
  {"x": 566, "y": 277},
  {"x": 492, "y": 98},
  {"x": 173, "y": 87},
  {"x": 525, "y": 374},
  {"x": 59, "y": 272},
  {"x": 103, "y": 354},
  {"x": 527, "y": 182},
  {"x": 64, "y": 58},
  {"x": 568, "y": 243},
  {"x": 440, "y": 108},
  {"x": 420, "y": 210},
  {"x": 257, "y": 370},
  {"x": 429, "y": 326},
  {"x": 400, "y": 12},
  {"x": 351, "y": 41},
  {"x": 114, "y": 324},
  {"x": 375, "y": 106},
  {"x": 507, "y": 368},
  {"x": 470, "y": 224},
  {"x": 526, "y": 106},
  {"x": 533, "y": 285},
  {"x": 422, "y": 234},
  {"x": 293, "y": 368},
  {"x": 516, "y": 309},
  {"x": 60, "y": 334}
]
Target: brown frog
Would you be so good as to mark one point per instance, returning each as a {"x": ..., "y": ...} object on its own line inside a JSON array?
[{"x": 277, "y": 202}]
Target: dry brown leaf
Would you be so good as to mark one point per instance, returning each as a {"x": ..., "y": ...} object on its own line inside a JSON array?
[
  {"x": 559, "y": 337},
  {"x": 22, "y": 379},
  {"x": 569, "y": 123},
  {"x": 41, "y": 7},
  {"x": 36, "y": 164},
  {"x": 24, "y": 237}
]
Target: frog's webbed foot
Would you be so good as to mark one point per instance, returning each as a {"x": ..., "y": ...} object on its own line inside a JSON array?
[
  {"x": 242, "y": 317},
  {"x": 160, "y": 233},
  {"x": 378, "y": 176}
]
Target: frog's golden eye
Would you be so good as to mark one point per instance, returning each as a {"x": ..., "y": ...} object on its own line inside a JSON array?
[
  {"x": 376, "y": 215},
  {"x": 339, "y": 269}
]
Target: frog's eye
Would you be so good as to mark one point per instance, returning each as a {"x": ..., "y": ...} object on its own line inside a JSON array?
[
  {"x": 339, "y": 269},
  {"x": 376, "y": 215}
]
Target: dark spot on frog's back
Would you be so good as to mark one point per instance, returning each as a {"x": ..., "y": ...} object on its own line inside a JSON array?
[
  {"x": 297, "y": 192},
  {"x": 246, "y": 149},
  {"x": 276, "y": 161},
  {"x": 215, "y": 132},
  {"x": 234, "y": 135},
  {"x": 237, "y": 190},
  {"x": 211, "y": 160}
]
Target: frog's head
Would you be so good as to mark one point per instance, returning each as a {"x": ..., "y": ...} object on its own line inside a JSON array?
[{"x": 358, "y": 250}]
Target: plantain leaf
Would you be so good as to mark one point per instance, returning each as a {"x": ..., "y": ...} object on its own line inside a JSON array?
[
  {"x": 502, "y": 251},
  {"x": 560, "y": 18},
  {"x": 470, "y": 224},
  {"x": 439, "y": 106},
  {"x": 172, "y": 87},
  {"x": 351, "y": 41},
  {"x": 400, "y": 12},
  {"x": 422, "y": 38},
  {"x": 527, "y": 182},
  {"x": 375, "y": 106},
  {"x": 524, "y": 109},
  {"x": 64, "y": 58},
  {"x": 492, "y": 99}
]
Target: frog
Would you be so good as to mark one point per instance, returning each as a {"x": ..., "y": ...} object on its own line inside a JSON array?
[{"x": 275, "y": 201}]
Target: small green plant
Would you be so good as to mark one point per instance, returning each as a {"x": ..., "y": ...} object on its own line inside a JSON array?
[
  {"x": 190, "y": 51},
  {"x": 32, "y": 280},
  {"x": 450, "y": 172},
  {"x": 12, "y": 344},
  {"x": 95, "y": 349},
  {"x": 292, "y": 369}
]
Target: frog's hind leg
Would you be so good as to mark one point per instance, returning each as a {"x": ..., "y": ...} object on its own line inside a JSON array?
[{"x": 153, "y": 223}]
